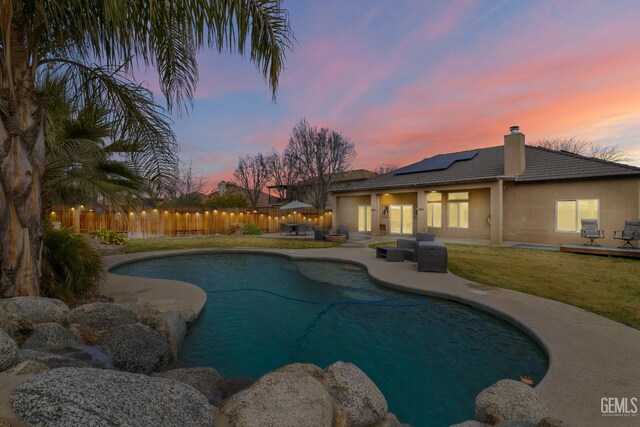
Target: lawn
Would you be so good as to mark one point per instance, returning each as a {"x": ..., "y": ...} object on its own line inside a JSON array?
[
  {"x": 609, "y": 287},
  {"x": 165, "y": 243}
]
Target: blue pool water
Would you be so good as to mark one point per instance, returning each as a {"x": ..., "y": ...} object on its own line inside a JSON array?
[{"x": 429, "y": 357}]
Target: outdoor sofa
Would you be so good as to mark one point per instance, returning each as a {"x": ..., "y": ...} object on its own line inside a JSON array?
[{"x": 410, "y": 246}]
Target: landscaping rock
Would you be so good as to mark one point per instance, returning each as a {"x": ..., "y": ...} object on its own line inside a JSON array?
[
  {"x": 28, "y": 367},
  {"x": 146, "y": 314},
  {"x": 87, "y": 334},
  {"x": 51, "y": 336},
  {"x": 5, "y": 323},
  {"x": 285, "y": 398},
  {"x": 509, "y": 400},
  {"x": 357, "y": 395},
  {"x": 74, "y": 396},
  {"x": 390, "y": 420},
  {"x": 236, "y": 385},
  {"x": 206, "y": 380},
  {"x": 136, "y": 348},
  {"x": 8, "y": 350},
  {"x": 100, "y": 316},
  {"x": 516, "y": 423},
  {"x": 26, "y": 312},
  {"x": 173, "y": 304},
  {"x": 469, "y": 423},
  {"x": 550, "y": 422},
  {"x": 173, "y": 328},
  {"x": 51, "y": 360}
]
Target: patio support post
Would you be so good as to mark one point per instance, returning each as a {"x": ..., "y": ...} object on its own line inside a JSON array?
[
  {"x": 422, "y": 212},
  {"x": 375, "y": 215},
  {"x": 76, "y": 219},
  {"x": 496, "y": 212},
  {"x": 334, "y": 213}
]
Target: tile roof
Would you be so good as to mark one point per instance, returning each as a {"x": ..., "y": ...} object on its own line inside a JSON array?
[{"x": 541, "y": 165}]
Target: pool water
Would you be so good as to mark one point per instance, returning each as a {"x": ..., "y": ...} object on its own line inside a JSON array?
[{"x": 429, "y": 357}]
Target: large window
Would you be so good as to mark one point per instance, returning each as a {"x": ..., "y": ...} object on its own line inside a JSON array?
[
  {"x": 364, "y": 218},
  {"x": 401, "y": 219},
  {"x": 434, "y": 210},
  {"x": 458, "y": 207},
  {"x": 570, "y": 213}
]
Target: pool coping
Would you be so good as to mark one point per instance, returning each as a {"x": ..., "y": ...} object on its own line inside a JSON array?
[{"x": 590, "y": 357}]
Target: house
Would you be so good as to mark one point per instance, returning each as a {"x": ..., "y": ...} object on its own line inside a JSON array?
[
  {"x": 512, "y": 192},
  {"x": 300, "y": 190}
]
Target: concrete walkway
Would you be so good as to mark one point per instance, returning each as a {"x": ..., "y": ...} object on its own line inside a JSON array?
[{"x": 590, "y": 357}]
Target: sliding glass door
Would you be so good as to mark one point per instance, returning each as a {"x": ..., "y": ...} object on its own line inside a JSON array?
[
  {"x": 364, "y": 218},
  {"x": 401, "y": 219}
]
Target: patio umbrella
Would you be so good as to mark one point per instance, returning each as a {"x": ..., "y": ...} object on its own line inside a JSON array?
[{"x": 296, "y": 205}]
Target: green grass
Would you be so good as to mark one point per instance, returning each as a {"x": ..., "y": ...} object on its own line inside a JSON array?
[
  {"x": 609, "y": 287},
  {"x": 166, "y": 243}
]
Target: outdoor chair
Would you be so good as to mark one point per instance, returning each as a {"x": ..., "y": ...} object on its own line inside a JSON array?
[
  {"x": 283, "y": 229},
  {"x": 591, "y": 231},
  {"x": 630, "y": 233},
  {"x": 409, "y": 247},
  {"x": 344, "y": 230},
  {"x": 432, "y": 257},
  {"x": 425, "y": 237}
]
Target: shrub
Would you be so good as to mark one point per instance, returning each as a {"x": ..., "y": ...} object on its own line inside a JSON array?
[
  {"x": 71, "y": 268},
  {"x": 251, "y": 229},
  {"x": 107, "y": 237}
]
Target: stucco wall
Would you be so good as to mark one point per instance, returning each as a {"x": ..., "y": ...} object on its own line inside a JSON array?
[
  {"x": 479, "y": 210},
  {"x": 348, "y": 210},
  {"x": 397, "y": 199},
  {"x": 530, "y": 209}
]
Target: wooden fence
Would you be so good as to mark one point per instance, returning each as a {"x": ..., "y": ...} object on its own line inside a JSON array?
[{"x": 175, "y": 222}]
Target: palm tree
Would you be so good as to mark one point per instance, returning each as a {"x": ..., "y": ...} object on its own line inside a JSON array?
[{"x": 92, "y": 45}]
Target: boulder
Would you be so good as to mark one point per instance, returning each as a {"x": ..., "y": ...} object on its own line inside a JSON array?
[
  {"x": 8, "y": 350},
  {"x": 469, "y": 423},
  {"x": 173, "y": 304},
  {"x": 550, "y": 422},
  {"x": 28, "y": 311},
  {"x": 5, "y": 323},
  {"x": 87, "y": 334},
  {"x": 136, "y": 348},
  {"x": 236, "y": 385},
  {"x": 356, "y": 394},
  {"x": 146, "y": 314},
  {"x": 28, "y": 367},
  {"x": 51, "y": 360},
  {"x": 173, "y": 328},
  {"x": 509, "y": 400},
  {"x": 515, "y": 423},
  {"x": 51, "y": 336},
  {"x": 102, "y": 315},
  {"x": 206, "y": 380},
  {"x": 285, "y": 398},
  {"x": 76, "y": 396}
]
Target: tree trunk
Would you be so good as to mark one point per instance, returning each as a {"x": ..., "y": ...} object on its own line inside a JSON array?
[{"x": 22, "y": 157}]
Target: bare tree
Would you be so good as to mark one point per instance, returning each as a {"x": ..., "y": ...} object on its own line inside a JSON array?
[
  {"x": 318, "y": 155},
  {"x": 186, "y": 187},
  {"x": 583, "y": 147},
  {"x": 283, "y": 171},
  {"x": 384, "y": 168},
  {"x": 252, "y": 175}
]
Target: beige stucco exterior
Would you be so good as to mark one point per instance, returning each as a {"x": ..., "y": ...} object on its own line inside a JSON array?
[{"x": 503, "y": 209}]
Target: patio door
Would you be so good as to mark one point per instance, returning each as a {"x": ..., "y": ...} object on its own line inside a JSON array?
[
  {"x": 364, "y": 218},
  {"x": 401, "y": 219}
]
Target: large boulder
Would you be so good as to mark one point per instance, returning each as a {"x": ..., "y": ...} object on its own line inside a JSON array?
[
  {"x": 8, "y": 350},
  {"x": 356, "y": 394},
  {"x": 469, "y": 423},
  {"x": 173, "y": 304},
  {"x": 5, "y": 323},
  {"x": 509, "y": 400},
  {"x": 206, "y": 380},
  {"x": 51, "y": 360},
  {"x": 285, "y": 398},
  {"x": 48, "y": 336},
  {"x": 25, "y": 312},
  {"x": 136, "y": 348},
  {"x": 76, "y": 396},
  {"x": 102, "y": 315},
  {"x": 27, "y": 367},
  {"x": 173, "y": 329}
]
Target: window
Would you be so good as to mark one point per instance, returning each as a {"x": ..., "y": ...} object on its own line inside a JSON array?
[
  {"x": 434, "y": 210},
  {"x": 401, "y": 219},
  {"x": 459, "y": 210},
  {"x": 570, "y": 213},
  {"x": 364, "y": 218}
]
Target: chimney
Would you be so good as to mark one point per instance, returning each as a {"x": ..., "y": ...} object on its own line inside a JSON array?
[{"x": 514, "y": 162}]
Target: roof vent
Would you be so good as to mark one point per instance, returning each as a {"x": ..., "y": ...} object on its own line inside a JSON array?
[{"x": 514, "y": 130}]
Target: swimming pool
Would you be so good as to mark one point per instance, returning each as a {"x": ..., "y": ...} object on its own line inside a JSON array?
[{"x": 429, "y": 357}]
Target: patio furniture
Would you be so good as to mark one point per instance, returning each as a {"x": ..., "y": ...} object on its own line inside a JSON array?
[
  {"x": 390, "y": 253},
  {"x": 291, "y": 228},
  {"x": 425, "y": 237},
  {"x": 283, "y": 229},
  {"x": 591, "y": 231},
  {"x": 301, "y": 229},
  {"x": 318, "y": 233},
  {"x": 344, "y": 230},
  {"x": 432, "y": 256},
  {"x": 409, "y": 248},
  {"x": 630, "y": 233}
]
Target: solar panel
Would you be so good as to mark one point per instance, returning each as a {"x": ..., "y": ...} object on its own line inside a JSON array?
[{"x": 435, "y": 163}]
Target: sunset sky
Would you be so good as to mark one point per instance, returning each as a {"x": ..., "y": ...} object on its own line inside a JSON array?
[{"x": 408, "y": 79}]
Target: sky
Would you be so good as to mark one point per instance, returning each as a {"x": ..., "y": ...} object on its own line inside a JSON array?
[{"x": 408, "y": 79}]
